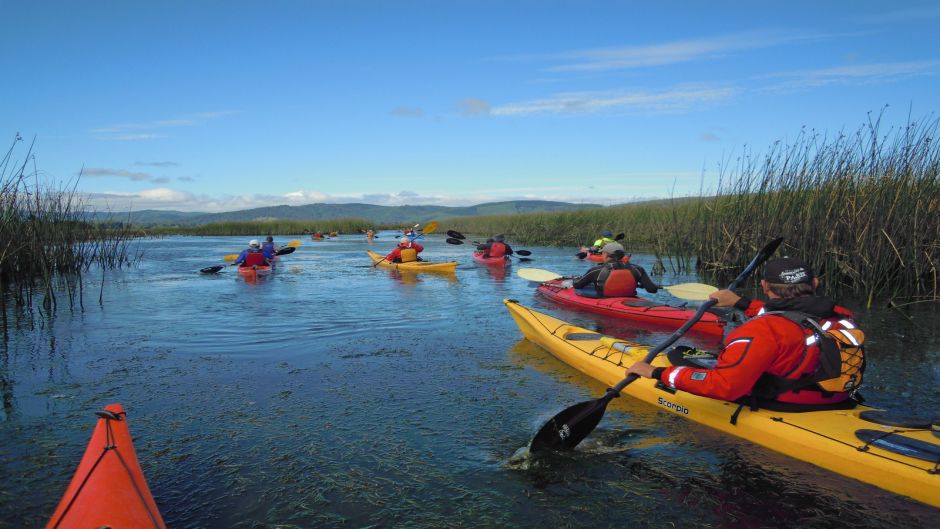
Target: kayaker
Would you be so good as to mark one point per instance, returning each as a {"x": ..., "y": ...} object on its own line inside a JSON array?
[
  {"x": 762, "y": 359},
  {"x": 495, "y": 247},
  {"x": 406, "y": 252},
  {"x": 603, "y": 241},
  {"x": 252, "y": 256},
  {"x": 613, "y": 277},
  {"x": 268, "y": 248}
]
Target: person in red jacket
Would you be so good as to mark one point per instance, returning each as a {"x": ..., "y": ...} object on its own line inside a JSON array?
[
  {"x": 252, "y": 256},
  {"x": 770, "y": 351},
  {"x": 406, "y": 252},
  {"x": 495, "y": 247}
]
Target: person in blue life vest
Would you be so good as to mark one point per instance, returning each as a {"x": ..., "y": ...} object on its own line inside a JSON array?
[
  {"x": 613, "y": 277},
  {"x": 495, "y": 247},
  {"x": 252, "y": 256},
  {"x": 268, "y": 248},
  {"x": 406, "y": 252}
]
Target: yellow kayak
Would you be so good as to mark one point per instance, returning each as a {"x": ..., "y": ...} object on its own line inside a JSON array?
[
  {"x": 855, "y": 443},
  {"x": 416, "y": 266}
]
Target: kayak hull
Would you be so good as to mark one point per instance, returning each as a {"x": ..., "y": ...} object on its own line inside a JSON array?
[
  {"x": 634, "y": 309},
  {"x": 417, "y": 266},
  {"x": 823, "y": 438},
  {"x": 491, "y": 261},
  {"x": 254, "y": 271},
  {"x": 599, "y": 258},
  {"x": 108, "y": 488}
]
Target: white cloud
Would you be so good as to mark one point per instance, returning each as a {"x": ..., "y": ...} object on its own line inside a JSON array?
[
  {"x": 141, "y": 131},
  {"x": 587, "y": 102},
  {"x": 873, "y": 72},
  {"x": 121, "y": 173},
  {"x": 624, "y": 57}
]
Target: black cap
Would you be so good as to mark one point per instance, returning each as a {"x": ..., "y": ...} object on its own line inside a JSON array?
[
  {"x": 788, "y": 271},
  {"x": 499, "y": 237}
]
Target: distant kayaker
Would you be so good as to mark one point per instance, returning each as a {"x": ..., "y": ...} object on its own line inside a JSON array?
[
  {"x": 603, "y": 241},
  {"x": 268, "y": 248},
  {"x": 370, "y": 234},
  {"x": 495, "y": 247},
  {"x": 613, "y": 277},
  {"x": 406, "y": 252},
  {"x": 772, "y": 357},
  {"x": 252, "y": 256}
]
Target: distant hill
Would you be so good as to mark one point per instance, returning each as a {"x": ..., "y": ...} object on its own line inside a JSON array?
[{"x": 371, "y": 212}]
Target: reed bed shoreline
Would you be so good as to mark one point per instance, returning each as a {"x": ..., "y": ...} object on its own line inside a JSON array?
[
  {"x": 46, "y": 236},
  {"x": 862, "y": 207}
]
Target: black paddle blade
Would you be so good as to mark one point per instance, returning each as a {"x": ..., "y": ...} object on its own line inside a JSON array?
[
  {"x": 620, "y": 236},
  {"x": 211, "y": 269},
  {"x": 581, "y": 255},
  {"x": 525, "y": 259},
  {"x": 286, "y": 250},
  {"x": 524, "y": 252},
  {"x": 455, "y": 234},
  {"x": 451, "y": 240},
  {"x": 565, "y": 430}
]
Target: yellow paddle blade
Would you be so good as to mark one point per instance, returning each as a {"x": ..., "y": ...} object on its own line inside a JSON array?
[
  {"x": 536, "y": 274},
  {"x": 430, "y": 227},
  {"x": 294, "y": 243},
  {"x": 691, "y": 291},
  {"x": 231, "y": 257}
]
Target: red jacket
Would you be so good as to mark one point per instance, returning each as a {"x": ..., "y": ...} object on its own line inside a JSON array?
[
  {"x": 768, "y": 344},
  {"x": 396, "y": 253}
]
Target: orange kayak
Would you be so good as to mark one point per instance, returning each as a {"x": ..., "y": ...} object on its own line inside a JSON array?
[{"x": 108, "y": 488}]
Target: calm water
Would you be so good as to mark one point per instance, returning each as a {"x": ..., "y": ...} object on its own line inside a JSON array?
[{"x": 332, "y": 394}]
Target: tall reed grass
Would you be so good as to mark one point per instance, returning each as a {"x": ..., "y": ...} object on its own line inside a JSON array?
[
  {"x": 862, "y": 207},
  {"x": 45, "y": 236}
]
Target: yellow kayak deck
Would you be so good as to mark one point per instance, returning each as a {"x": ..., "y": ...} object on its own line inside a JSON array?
[
  {"x": 823, "y": 438},
  {"x": 416, "y": 266}
]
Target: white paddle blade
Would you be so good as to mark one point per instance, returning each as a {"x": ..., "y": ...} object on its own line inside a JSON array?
[
  {"x": 536, "y": 274},
  {"x": 692, "y": 291}
]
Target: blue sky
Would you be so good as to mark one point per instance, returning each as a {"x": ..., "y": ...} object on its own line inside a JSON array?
[{"x": 215, "y": 106}]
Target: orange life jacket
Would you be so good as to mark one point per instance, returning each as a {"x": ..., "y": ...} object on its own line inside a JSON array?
[
  {"x": 617, "y": 282},
  {"x": 497, "y": 249},
  {"x": 409, "y": 255}
]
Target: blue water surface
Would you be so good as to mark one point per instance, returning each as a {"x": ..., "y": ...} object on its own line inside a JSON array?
[{"x": 335, "y": 394}]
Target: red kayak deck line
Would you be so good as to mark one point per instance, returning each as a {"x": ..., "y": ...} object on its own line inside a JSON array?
[
  {"x": 634, "y": 309},
  {"x": 491, "y": 261},
  {"x": 599, "y": 258},
  {"x": 108, "y": 488}
]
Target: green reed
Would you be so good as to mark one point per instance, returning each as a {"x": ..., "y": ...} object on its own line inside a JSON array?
[
  {"x": 862, "y": 207},
  {"x": 45, "y": 235}
]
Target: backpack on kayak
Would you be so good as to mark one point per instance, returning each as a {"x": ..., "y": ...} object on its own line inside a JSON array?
[{"x": 841, "y": 355}]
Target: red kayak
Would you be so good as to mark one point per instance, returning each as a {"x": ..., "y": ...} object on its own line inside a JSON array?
[
  {"x": 597, "y": 257},
  {"x": 253, "y": 272},
  {"x": 635, "y": 309},
  {"x": 108, "y": 489},
  {"x": 491, "y": 261}
]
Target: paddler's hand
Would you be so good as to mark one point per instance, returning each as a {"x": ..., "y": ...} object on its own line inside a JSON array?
[
  {"x": 724, "y": 298},
  {"x": 567, "y": 283},
  {"x": 641, "y": 368}
]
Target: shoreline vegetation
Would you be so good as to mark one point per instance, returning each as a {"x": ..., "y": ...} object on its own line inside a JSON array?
[
  {"x": 45, "y": 238},
  {"x": 863, "y": 207}
]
